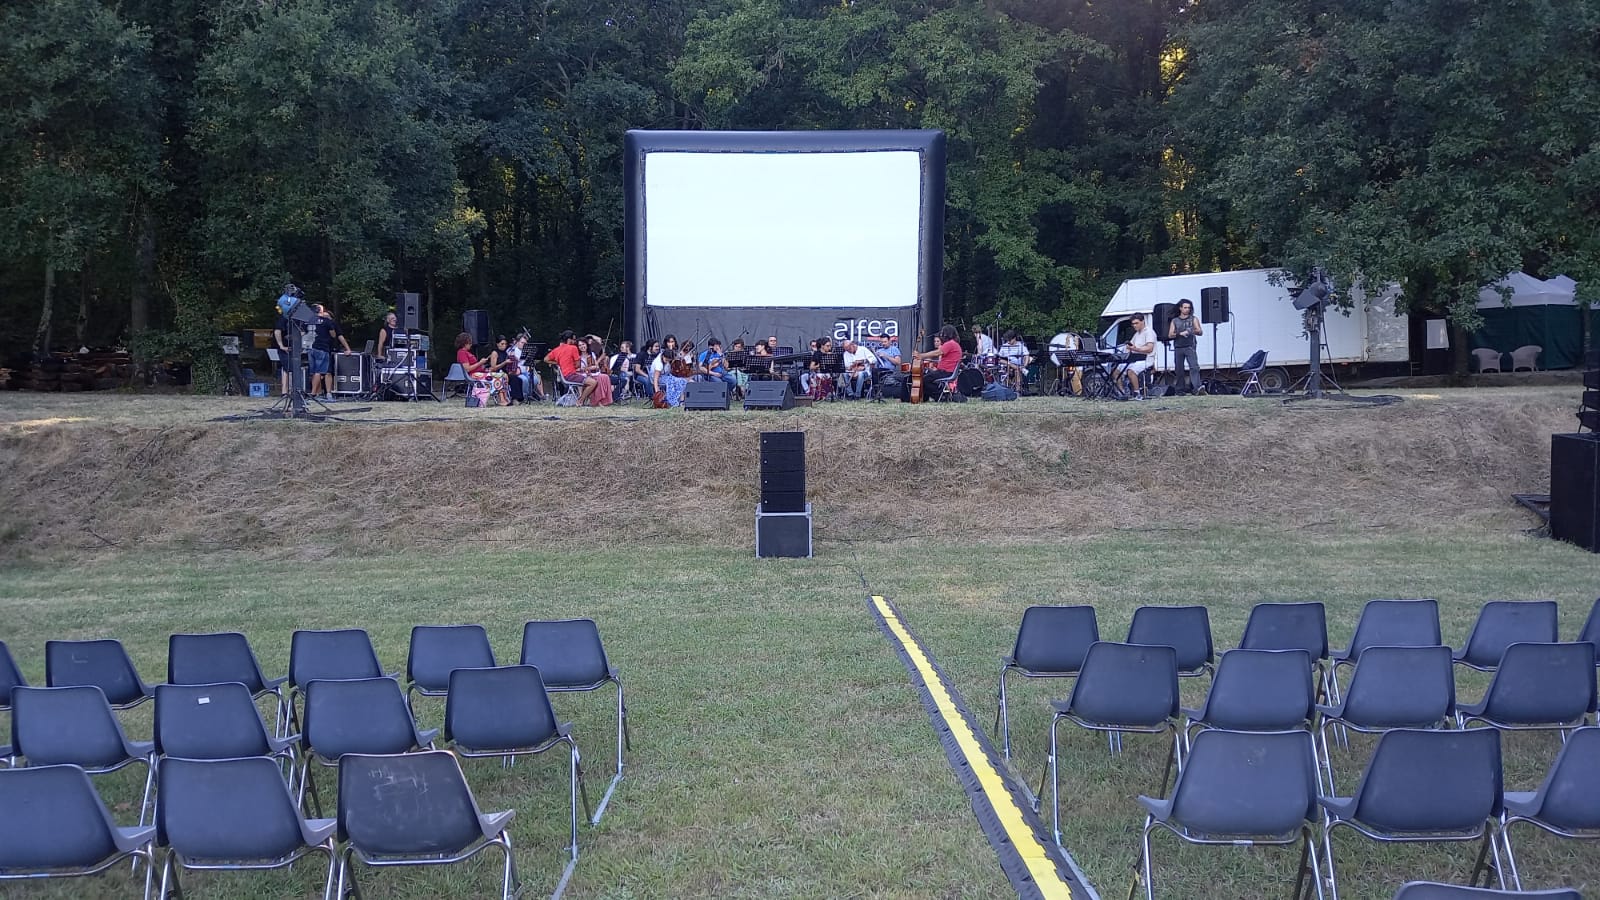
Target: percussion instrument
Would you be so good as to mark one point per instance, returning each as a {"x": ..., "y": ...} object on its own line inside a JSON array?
[{"x": 970, "y": 382}]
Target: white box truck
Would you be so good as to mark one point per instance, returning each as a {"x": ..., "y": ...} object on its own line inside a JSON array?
[{"x": 1262, "y": 317}]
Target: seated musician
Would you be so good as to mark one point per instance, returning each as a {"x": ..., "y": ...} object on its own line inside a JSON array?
[
  {"x": 1143, "y": 341},
  {"x": 1014, "y": 356},
  {"x": 620, "y": 367},
  {"x": 533, "y": 384},
  {"x": 641, "y": 368},
  {"x": 740, "y": 376},
  {"x": 946, "y": 359},
  {"x": 713, "y": 366},
  {"x": 664, "y": 381},
  {"x": 568, "y": 359},
  {"x": 501, "y": 360},
  {"x": 857, "y": 368},
  {"x": 983, "y": 345}
]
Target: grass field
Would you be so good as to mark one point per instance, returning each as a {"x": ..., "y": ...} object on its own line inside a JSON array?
[{"x": 779, "y": 749}]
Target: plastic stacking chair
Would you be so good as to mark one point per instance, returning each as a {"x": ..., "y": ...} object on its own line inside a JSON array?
[
  {"x": 1387, "y": 623},
  {"x": 364, "y": 715},
  {"x": 1051, "y": 643},
  {"x": 234, "y": 815},
  {"x": 1252, "y": 370},
  {"x": 1257, "y": 690},
  {"x": 1567, "y": 803},
  {"x": 329, "y": 656},
  {"x": 570, "y": 657},
  {"x": 1394, "y": 687},
  {"x": 1242, "y": 788},
  {"x": 75, "y": 726},
  {"x": 1488, "y": 359},
  {"x": 56, "y": 826},
  {"x": 1122, "y": 687},
  {"x": 214, "y": 721},
  {"x": 505, "y": 712},
  {"x": 1424, "y": 786},
  {"x": 1429, "y": 890},
  {"x": 424, "y": 814},
  {"x": 1538, "y": 687},
  {"x": 1591, "y": 628},
  {"x": 1186, "y": 629},
  {"x": 104, "y": 664},
  {"x": 1502, "y": 623},
  {"x": 10, "y": 677},
  {"x": 1290, "y": 626},
  {"x": 438, "y": 650},
  {"x": 220, "y": 658}
]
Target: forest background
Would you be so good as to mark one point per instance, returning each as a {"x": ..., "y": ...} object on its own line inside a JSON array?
[{"x": 165, "y": 165}]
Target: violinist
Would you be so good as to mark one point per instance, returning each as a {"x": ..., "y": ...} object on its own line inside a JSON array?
[
  {"x": 713, "y": 366},
  {"x": 946, "y": 359},
  {"x": 593, "y": 362},
  {"x": 664, "y": 382}
]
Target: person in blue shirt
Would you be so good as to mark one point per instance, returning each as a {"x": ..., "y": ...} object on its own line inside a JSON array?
[{"x": 713, "y": 365}]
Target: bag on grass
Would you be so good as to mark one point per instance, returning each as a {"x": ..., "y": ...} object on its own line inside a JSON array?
[
  {"x": 998, "y": 392},
  {"x": 478, "y": 394}
]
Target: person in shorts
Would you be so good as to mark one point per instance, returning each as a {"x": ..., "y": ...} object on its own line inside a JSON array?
[{"x": 321, "y": 354}]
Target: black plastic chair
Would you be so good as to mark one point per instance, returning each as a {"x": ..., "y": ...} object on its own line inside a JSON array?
[
  {"x": 1121, "y": 687},
  {"x": 1591, "y": 627},
  {"x": 415, "y": 810},
  {"x": 1051, "y": 643},
  {"x": 10, "y": 677},
  {"x": 1393, "y": 687},
  {"x": 1291, "y": 626},
  {"x": 1424, "y": 786},
  {"x": 1567, "y": 803},
  {"x": 1242, "y": 788},
  {"x": 214, "y": 721},
  {"x": 438, "y": 650},
  {"x": 220, "y": 658},
  {"x": 75, "y": 726},
  {"x": 336, "y": 655},
  {"x": 1502, "y": 623},
  {"x": 103, "y": 664},
  {"x": 56, "y": 826},
  {"x": 1386, "y": 623},
  {"x": 233, "y": 815},
  {"x": 1538, "y": 687},
  {"x": 1257, "y": 690},
  {"x": 1186, "y": 629},
  {"x": 1430, "y": 890},
  {"x": 570, "y": 657},
  {"x": 506, "y": 713},
  {"x": 362, "y": 715}
]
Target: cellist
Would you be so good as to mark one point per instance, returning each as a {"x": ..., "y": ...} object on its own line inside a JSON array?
[{"x": 946, "y": 359}]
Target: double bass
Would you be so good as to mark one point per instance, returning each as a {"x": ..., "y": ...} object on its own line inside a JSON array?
[{"x": 915, "y": 369}]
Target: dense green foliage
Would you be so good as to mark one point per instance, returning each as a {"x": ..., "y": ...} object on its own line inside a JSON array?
[{"x": 165, "y": 164}]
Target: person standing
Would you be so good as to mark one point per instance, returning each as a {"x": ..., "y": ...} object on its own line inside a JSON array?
[
  {"x": 386, "y": 333},
  {"x": 327, "y": 331},
  {"x": 286, "y": 361},
  {"x": 1182, "y": 329}
]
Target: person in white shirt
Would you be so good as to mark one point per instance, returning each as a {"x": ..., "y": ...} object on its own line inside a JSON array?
[
  {"x": 857, "y": 367},
  {"x": 1014, "y": 355},
  {"x": 1143, "y": 341},
  {"x": 984, "y": 342}
]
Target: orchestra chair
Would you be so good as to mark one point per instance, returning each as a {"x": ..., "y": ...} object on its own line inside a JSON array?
[
  {"x": 425, "y": 815},
  {"x": 1537, "y": 687},
  {"x": 215, "y": 721},
  {"x": 571, "y": 659},
  {"x": 506, "y": 713},
  {"x": 1290, "y": 626},
  {"x": 1567, "y": 803},
  {"x": 56, "y": 826},
  {"x": 364, "y": 715},
  {"x": 105, "y": 664},
  {"x": 438, "y": 650},
  {"x": 1257, "y": 691},
  {"x": 1186, "y": 629},
  {"x": 233, "y": 815},
  {"x": 224, "y": 657},
  {"x": 1432, "y": 890},
  {"x": 1051, "y": 643},
  {"x": 1241, "y": 789},
  {"x": 328, "y": 656},
  {"x": 76, "y": 726},
  {"x": 1502, "y": 623},
  {"x": 10, "y": 677},
  {"x": 1252, "y": 369},
  {"x": 1121, "y": 687},
  {"x": 1393, "y": 687},
  {"x": 1425, "y": 786}
]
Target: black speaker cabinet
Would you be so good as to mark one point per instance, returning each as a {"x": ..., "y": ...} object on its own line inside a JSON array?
[
  {"x": 784, "y": 534},
  {"x": 1162, "y": 314},
  {"x": 476, "y": 323},
  {"x": 408, "y": 311},
  {"x": 706, "y": 395},
  {"x": 768, "y": 395},
  {"x": 1213, "y": 305},
  {"x": 1575, "y": 489}
]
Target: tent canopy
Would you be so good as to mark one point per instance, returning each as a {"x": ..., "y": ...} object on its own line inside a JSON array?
[{"x": 1541, "y": 313}]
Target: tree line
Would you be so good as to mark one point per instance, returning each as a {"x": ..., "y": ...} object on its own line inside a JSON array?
[{"x": 165, "y": 165}]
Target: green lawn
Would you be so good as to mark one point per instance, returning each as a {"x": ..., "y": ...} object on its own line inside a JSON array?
[{"x": 779, "y": 749}]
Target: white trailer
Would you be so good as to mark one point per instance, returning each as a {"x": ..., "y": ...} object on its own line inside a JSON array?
[{"x": 1263, "y": 317}]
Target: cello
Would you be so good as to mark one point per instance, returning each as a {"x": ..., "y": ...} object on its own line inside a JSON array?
[{"x": 915, "y": 368}]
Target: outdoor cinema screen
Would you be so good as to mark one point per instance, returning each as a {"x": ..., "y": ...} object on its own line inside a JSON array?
[{"x": 732, "y": 233}]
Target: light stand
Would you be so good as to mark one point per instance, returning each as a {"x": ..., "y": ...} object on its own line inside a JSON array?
[{"x": 293, "y": 404}]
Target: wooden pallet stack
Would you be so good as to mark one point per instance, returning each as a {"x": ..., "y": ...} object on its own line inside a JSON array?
[{"x": 71, "y": 372}]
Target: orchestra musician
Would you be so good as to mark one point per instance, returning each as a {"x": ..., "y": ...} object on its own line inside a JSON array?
[
  {"x": 713, "y": 365},
  {"x": 1143, "y": 341},
  {"x": 1014, "y": 356},
  {"x": 641, "y": 367},
  {"x": 946, "y": 359},
  {"x": 982, "y": 341},
  {"x": 858, "y": 368},
  {"x": 501, "y": 360}
]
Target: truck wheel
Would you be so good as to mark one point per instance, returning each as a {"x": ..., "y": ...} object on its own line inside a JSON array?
[{"x": 1274, "y": 380}]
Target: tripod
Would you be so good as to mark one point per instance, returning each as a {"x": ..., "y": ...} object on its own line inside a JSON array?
[
  {"x": 293, "y": 404},
  {"x": 1315, "y": 327}
]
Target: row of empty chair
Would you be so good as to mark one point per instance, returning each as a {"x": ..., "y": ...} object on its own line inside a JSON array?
[
  {"x": 1285, "y": 679},
  {"x": 335, "y": 704}
]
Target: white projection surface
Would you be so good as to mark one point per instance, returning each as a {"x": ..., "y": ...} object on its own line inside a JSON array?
[{"x": 782, "y": 229}]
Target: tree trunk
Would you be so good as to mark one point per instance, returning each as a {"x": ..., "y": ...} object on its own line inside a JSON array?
[
  {"x": 1458, "y": 352},
  {"x": 144, "y": 275},
  {"x": 85, "y": 289},
  {"x": 333, "y": 278},
  {"x": 41, "y": 337}
]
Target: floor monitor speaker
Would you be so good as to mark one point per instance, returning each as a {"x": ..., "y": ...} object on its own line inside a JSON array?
[
  {"x": 768, "y": 395},
  {"x": 706, "y": 395}
]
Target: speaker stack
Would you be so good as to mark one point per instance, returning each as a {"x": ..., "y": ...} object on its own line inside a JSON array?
[
  {"x": 408, "y": 311},
  {"x": 476, "y": 323},
  {"x": 783, "y": 520},
  {"x": 1213, "y": 305},
  {"x": 1575, "y": 470}
]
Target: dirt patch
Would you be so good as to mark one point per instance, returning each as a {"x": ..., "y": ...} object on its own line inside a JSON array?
[{"x": 876, "y": 472}]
